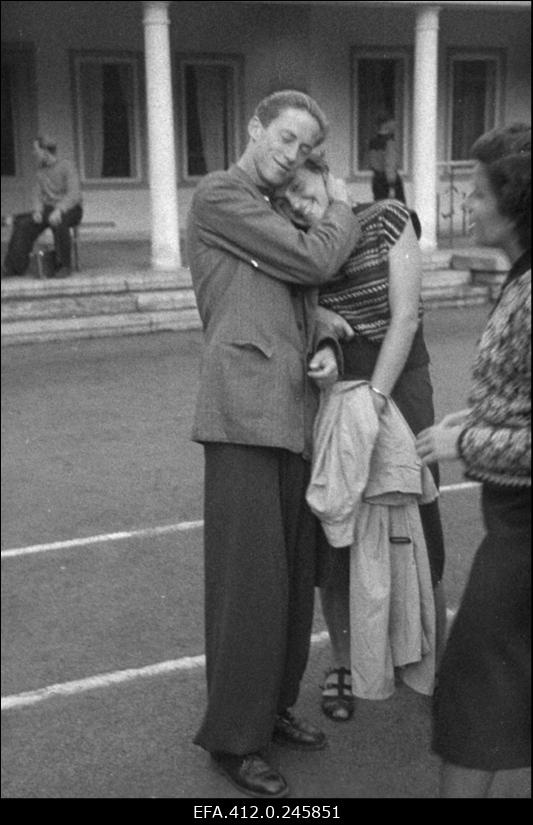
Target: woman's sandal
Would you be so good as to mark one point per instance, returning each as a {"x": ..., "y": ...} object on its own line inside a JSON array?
[{"x": 338, "y": 701}]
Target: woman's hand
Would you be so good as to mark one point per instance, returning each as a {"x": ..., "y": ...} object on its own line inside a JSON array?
[
  {"x": 457, "y": 419},
  {"x": 439, "y": 443},
  {"x": 337, "y": 189},
  {"x": 335, "y": 324}
]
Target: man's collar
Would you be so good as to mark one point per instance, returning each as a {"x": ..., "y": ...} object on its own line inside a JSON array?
[{"x": 265, "y": 191}]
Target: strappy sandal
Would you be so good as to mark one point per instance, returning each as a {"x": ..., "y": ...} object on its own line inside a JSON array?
[{"x": 338, "y": 701}]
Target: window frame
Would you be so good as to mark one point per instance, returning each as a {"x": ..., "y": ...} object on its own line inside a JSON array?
[
  {"x": 181, "y": 61},
  {"x": 456, "y": 55},
  {"x": 135, "y": 60},
  {"x": 398, "y": 53}
]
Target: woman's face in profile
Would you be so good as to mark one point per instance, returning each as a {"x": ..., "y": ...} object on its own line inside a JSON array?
[
  {"x": 307, "y": 197},
  {"x": 488, "y": 227}
]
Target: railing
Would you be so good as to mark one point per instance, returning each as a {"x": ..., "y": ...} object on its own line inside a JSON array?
[{"x": 454, "y": 187}]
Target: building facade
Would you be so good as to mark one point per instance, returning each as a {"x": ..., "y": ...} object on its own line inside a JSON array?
[{"x": 149, "y": 96}]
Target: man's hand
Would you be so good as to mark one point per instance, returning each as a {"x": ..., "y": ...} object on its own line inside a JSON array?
[
  {"x": 37, "y": 217},
  {"x": 55, "y": 218},
  {"x": 335, "y": 324},
  {"x": 323, "y": 368}
]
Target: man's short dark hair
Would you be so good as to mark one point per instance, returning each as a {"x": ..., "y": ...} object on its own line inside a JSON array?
[
  {"x": 272, "y": 106},
  {"x": 49, "y": 144},
  {"x": 506, "y": 155},
  {"x": 383, "y": 118}
]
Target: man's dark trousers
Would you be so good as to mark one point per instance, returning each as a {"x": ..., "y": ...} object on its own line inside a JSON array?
[
  {"x": 26, "y": 232},
  {"x": 260, "y": 545}
]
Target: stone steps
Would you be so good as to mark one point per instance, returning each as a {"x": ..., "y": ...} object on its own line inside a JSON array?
[
  {"x": 107, "y": 303},
  {"x": 97, "y": 305},
  {"x": 458, "y": 297},
  {"x": 452, "y": 288}
]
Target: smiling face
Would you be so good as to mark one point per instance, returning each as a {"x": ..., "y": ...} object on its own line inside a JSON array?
[
  {"x": 277, "y": 150},
  {"x": 488, "y": 226},
  {"x": 307, "y": 197}
]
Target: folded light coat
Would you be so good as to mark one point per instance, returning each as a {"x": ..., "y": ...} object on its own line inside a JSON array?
[{"x": 366, "y": 485}]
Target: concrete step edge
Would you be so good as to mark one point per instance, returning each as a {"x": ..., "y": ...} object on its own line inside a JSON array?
[
  {"x": 459, "y": 290},
  {"x": 447, "y": 277},
  {"x": 97, "y": 283},
  {"x": 98, "y": 326},
  {"x": 480, "y": 262},
  {"x": 92, "y": 305},
  {"x": 442, "y": 302}
]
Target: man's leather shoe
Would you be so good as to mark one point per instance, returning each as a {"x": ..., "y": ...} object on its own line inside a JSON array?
[
  {"x": 251, "y": 774},
  {"x": 298, "y": 734}
]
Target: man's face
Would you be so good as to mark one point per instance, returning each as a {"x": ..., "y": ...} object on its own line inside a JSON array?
[
  {"x": 307, "y": 197},
  {"x": 40, "y": 154},
  {"x": 280, "y": 148}
]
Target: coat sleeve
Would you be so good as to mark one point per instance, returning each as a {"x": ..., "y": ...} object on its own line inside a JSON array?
[
  {"x": 504, "y": 446},
  {"x": 228, "y": 216},
  {"x": 486, "y": 449}
]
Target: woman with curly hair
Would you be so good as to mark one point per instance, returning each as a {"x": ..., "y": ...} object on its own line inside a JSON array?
[{"x": 482, "y": 705}]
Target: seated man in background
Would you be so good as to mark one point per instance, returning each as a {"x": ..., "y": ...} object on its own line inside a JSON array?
[{"x": 57, "y": 204}]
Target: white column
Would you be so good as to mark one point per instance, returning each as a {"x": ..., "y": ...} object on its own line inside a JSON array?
[
  {"x": 426, "y": 97},
  {"x": 161, "y": 138}
]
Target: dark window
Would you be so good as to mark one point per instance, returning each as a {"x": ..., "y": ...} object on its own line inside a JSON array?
[
  {"x": 380, "y": 92},
  {"x": 209, "y": 90},
  {"x": 116, "y": 162},
  {"x": 473, "y": 103},
  {"x": 108, "y": 121},
  {"x": 8, "y": 123}
]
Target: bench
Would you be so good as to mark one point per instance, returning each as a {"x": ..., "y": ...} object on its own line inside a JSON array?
[
  {"x": 76, "y": 233},
  {"x": 40, "y": 251}
]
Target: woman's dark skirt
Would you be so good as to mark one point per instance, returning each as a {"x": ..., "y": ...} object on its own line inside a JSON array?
[{"x": 482, "y": 710}]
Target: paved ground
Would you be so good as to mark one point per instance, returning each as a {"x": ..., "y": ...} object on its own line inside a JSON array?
[{"x": 96, "y": 442}]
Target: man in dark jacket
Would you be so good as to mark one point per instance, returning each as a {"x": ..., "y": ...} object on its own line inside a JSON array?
[{"x": 256, "y": 281}]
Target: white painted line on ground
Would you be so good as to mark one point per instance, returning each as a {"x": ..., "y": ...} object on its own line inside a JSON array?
[
  {"x": 150, "y": 532},
  {"x": 458, "y": 488},
  {"x": 107, "y": 680}
]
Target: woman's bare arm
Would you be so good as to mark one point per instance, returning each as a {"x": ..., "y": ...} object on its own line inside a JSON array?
[{"x": 405, "y": 285}]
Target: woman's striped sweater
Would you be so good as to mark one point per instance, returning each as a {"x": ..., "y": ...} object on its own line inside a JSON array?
[{"x": 360, "y": 292}]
